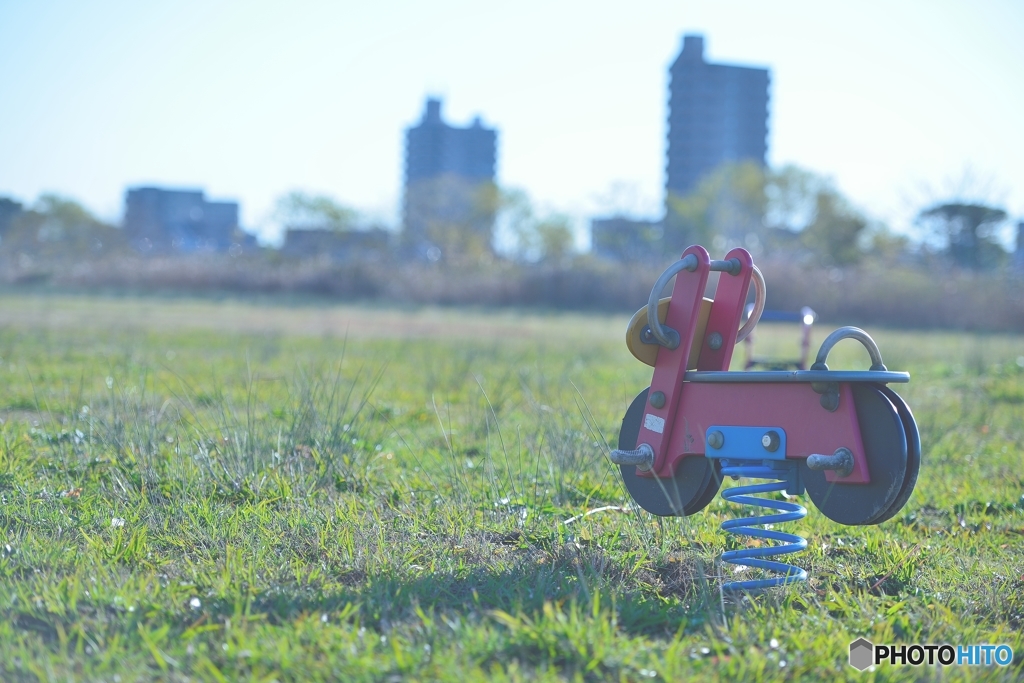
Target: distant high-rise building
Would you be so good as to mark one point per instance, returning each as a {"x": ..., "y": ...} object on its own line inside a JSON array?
[
  {"x": 716, "y": 113},
  {"x": 9, "y": 210},
  {"x": 449, "y": 184},
  {"x": 1018, "y": 254},
  {"x": 156, "y": 219}
]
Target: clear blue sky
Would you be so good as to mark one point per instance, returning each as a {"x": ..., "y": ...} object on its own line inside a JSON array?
[{"x": 898, "y": 101}]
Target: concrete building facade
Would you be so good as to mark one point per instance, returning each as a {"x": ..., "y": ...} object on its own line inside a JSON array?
[
  {"x": 449, "y": 181},
  {"x": 717, "y": 113},
  {"x": 1018, "y": 254},
  {"x": 9, "y": 210},
  {"x": 162, "y": 220}
]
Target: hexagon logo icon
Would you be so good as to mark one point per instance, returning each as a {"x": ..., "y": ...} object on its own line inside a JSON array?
[{"x": 861, "y": 654}]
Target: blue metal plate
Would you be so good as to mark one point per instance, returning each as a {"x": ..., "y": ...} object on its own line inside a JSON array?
[{"x": 745, "y": 443}]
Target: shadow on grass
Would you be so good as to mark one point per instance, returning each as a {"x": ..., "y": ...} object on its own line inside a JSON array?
[
  {"x": 653, "y": 600},
  {"x": 544, "y": 597}
]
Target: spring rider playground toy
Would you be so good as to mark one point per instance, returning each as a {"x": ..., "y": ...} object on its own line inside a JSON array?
[{"x": 842, "y": 437}]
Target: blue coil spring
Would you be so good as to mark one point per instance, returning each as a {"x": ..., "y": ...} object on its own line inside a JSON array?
[{"x": 790, "y": 512}]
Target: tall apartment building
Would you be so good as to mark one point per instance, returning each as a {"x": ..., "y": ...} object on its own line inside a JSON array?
[
  {"x": 9, "y": 210},
  {"x": 160, "y": 220},
  {"x": 716, "y": 113},
  {"x": 1018, "y": 254},
  {"x": 449, "y": 183}
]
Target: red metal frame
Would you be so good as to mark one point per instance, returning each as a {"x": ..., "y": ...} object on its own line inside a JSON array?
[
  {"x": 726, "y": 313},
  {"x": 677, "y": 429},
  {"x": 670, "y": 368}
]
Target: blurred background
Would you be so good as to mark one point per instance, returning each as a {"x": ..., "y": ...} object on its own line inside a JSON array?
[{"x": 558, "y": 155}]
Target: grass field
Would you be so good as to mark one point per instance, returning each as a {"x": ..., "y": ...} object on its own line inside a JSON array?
[{"x": 218, "y": 490}]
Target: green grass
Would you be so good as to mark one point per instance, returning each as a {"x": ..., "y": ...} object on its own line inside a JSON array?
[{"x": 221, "y": 490}]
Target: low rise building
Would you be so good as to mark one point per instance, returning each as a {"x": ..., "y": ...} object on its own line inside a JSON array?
[{"x": 162, "y": 220}]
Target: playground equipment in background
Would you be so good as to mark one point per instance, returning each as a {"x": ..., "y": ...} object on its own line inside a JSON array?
[
  {"x": 843, "y": 437},
  {"x": 805, "y": 317}
]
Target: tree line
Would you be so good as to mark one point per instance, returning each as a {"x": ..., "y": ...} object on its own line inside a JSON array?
[
  {"x": 789, "y": 211},
  {"x": 793, "y": 211}
]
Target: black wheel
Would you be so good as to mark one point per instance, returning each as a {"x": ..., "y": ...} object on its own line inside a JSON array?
[
  {"x": 685, "y": 493},
  {"x": 913, "y": 454},
  {"x": 710, "y": 489},
  {"x": 885, "y": 446}
]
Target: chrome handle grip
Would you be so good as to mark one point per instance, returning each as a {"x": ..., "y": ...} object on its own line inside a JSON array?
[
  {"x": 760, "y": 296},
  {"x": 849, "y": 333},
  {"x": 642, "y": 457},
  {"x": 841, "y": 461}
]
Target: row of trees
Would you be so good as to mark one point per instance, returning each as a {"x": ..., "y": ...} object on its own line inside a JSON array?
[
  {"x": 770, "y": 211},
  {"x": 969, "y": 230},
  {"x": 795, "y": 211},
  {"x": 55, "y": 226},
  {"x": 788, "y": 211},
  {"x": 458, "y": 219}
]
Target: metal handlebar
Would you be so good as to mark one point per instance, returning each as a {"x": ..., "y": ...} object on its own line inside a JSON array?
[
  {"x": 669, "y": 338},
  {"x": 642, "y": 457},
  {"x": 849, "y": 333},
  {"x": 663, "y": 334},
  {"x": 841, "y": 462},
  {"x": 760, "y": 296}
]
